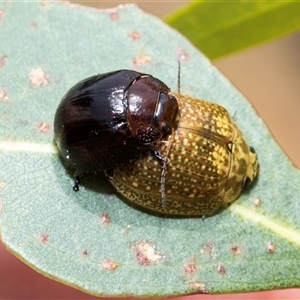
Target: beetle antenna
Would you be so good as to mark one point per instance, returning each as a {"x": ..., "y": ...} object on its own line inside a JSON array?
[
  {"x": 165, "y": 159},
  {"x": 178, "y": 78}
]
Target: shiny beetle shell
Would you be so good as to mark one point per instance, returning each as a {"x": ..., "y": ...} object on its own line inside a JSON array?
[
  {"x": 109, "y": 119},
  {"x": 207, "y": 165}
]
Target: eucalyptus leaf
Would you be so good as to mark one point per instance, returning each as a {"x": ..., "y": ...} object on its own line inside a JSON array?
[
  {"x": 221, "y": 28},
  {"x": 93, "y": 240}
]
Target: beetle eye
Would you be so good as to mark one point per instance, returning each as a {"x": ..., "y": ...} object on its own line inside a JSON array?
[
  {"x": 166, "y": 129},
  {"x": 252, "y": 149},
  {"x": 247, "y": 183},
  {"x": 172, "y": 98}
]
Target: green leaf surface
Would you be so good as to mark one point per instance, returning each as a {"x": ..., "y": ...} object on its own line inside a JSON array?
[
  {"x": 92, "y": 240},
  {"x": 219, "y": 29}
]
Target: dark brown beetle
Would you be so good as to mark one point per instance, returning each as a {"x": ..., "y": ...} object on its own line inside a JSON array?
[{"x": 109, "y": 119}]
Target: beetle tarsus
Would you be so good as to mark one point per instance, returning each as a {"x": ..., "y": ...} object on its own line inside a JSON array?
[
  {"x": 158, "y": 156},
  {"x": 109, "y": 173},
  {"x": 76, "y": 183}
]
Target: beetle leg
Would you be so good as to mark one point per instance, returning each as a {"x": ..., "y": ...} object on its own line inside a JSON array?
[
  {"x": 109, "y": 173},
  {"x": 76, "y": 183},
  {"x": 158, "y": 156},
  {"x": 164, "y": 160}
]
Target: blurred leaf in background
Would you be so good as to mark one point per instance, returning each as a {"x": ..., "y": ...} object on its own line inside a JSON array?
[{"x": 219, "y": 28}]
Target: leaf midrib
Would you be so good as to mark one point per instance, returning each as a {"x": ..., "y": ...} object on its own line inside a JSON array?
[{"x": 285, "y": 232}]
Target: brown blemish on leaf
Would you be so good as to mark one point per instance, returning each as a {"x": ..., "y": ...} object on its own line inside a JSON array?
[
  {"x": 221, "y": 269},
  {"x": 4, "y": 97},
  {"x": 134, "y": 35},
  {"x": 44, "y": 127},
  {"x": 5, "y": 118},
  {"x": 2, "y": 184},
  {"x": 140, "y": 60},
  {"x": 236, "y": 250},
  {"x": 44, "y": 238},
  {"x": 207, "y": 249},
  {"x": 182, "y": 54},
  {"x": 190, "y": 268},
  {"x": 114, "y": 16},
  {"x": 44, "y": 3},
  {"x": 109, "y": 265},
  {"x": 105, "y": 219},
  {"x": 1, "y": 14},
  {"x": 84, "y": 253},
  {"x": 257, "y": 202},
  {"x": 271, "y": 247},
  {"x": 33, "y": 25},
  {"x": 38, "y": 78},
  {"x": 3, "y": 61},
  {"x": 198, "y": 286},
  {"x": 145, "y": 253}
]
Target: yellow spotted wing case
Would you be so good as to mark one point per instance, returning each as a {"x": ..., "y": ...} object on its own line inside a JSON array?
[{"x": 207, "y": 165}]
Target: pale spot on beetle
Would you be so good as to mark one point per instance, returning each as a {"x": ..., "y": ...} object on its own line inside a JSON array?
[
  {"x": 38, "y": 78},
  {"x": 190, "y": 268},
  {"x": 186, "y": 142},
  {"x": 140, "y": 60},
  {"x": 4, "y": 97},
  {"x": 44, "y": 127},
  {"x": 110, "y": 265},
  {"x": 44, "y": 238},
  {"x": 148, "y": 188},
  {"x": 3, "y": 61},
  {"x": 198, "y": 286},
  {"x": 135, "y": 184},
  {"x": 134, "y": 35},
  {"x": 221, "y": 269},
  {"x": 271, "y": 247},
  {"x": 105, "y": 219},
  {"x": 146, "y": 254},
  {"x": 182, "y": 54}
]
